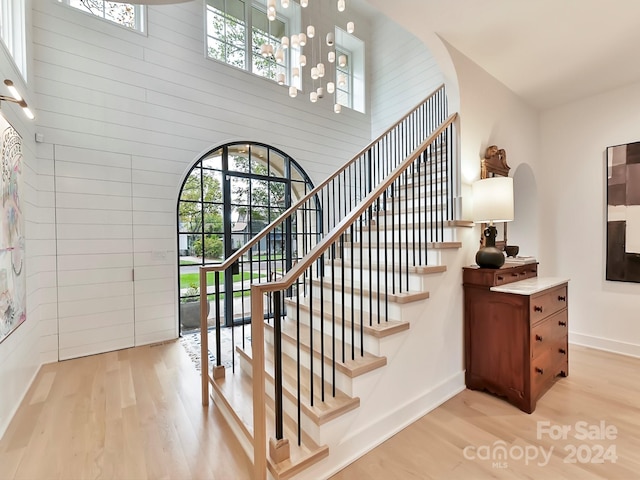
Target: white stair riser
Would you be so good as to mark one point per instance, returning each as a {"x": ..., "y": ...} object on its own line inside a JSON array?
[
  {"x": 421, "y": 235},
  {"x": 433, "y": 256},
  {"x": 402, "y": 216},
  {"x": 369, "y": 303},
  {"x": 344, "y": 383},
  {"x": 289, "y": 406},
  {"x": 371, "y": 343},
  {"x": 373, "y": 280}
]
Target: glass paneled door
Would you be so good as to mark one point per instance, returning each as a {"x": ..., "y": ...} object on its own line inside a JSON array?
[{"x": 229, "y": 196}]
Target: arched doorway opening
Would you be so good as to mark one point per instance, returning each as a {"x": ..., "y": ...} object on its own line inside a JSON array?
[{"x": 228, "y": 196}]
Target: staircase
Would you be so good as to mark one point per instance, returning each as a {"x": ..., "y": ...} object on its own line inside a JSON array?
[{"x": 347, "y": 347}]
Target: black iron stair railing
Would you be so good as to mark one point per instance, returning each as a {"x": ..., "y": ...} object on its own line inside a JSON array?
[
  {"x": 430, "y": 165},
  {"x": 321, "y": 211}
]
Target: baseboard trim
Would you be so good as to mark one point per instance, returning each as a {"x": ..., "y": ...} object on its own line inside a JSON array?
[
  {"x": 14, "y": 410},
  {"x": 605, "y": 344},
  {"x": 373, "y": 435}
]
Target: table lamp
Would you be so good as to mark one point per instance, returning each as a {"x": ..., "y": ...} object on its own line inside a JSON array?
[{"x": 492, "y": 202}]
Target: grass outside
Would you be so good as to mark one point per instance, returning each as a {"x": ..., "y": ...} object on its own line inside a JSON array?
[
  {"x": 188, "y": 262},
  {"x": 188, "y": 280}
]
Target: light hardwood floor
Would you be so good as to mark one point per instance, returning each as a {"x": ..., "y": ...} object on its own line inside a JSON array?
[
  {"x": 601, "y": 387},
  {"x": 136, "y": 414},
  {"x": 133, "y": 414}
]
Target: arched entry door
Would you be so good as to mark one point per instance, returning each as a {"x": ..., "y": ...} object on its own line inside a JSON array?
[{"x": 230, "y": 194}]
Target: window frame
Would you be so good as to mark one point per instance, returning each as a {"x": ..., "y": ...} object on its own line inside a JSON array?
[
  {"x": 140, "y": 15},
  {"x": 12, "y": 32},
  {"x": 354, "y": 47},
  {"x": 290, "y": 54}
]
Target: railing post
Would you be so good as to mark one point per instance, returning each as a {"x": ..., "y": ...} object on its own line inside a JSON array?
[
  {"x": 204, "y": 339},
  {"x": 258, "y": 377}
]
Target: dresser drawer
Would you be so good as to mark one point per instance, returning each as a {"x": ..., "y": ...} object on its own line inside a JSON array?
[
  {"x": 547, "y": 303},
  {"x": 546, "y": 334},
  {"x": 489, "y": 277},
  {"x": 547, "y": 366},
  {"x": 515, "y": 274}
]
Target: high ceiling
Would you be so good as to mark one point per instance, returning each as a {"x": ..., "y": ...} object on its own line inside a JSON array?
[{"x": 549, "y": 52}]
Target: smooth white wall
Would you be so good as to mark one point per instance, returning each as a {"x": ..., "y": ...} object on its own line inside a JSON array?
[
  {"x": 491, "y": 114},
  {"x": 124, "y": 116},
  {"x": 574, "y": 139}
]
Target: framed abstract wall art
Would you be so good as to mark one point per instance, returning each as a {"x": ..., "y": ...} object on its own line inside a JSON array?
[
  {"x": 12, "y": 271},
  {"x": 623, "y": 213}
]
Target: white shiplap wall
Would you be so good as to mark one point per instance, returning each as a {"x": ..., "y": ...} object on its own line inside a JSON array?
[
  {"x": 403, "y": 73},
  {"x": 124, "y": 116}
]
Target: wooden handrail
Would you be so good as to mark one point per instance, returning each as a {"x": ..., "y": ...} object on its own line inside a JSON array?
[
  {"x": 292, "y": 209},
  {"x": 298, "y": 269},
  {"x": 259, "y": 289}
]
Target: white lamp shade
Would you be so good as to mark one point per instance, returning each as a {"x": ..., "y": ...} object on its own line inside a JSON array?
[
  {"x": 311, "y": 31},
  {"x": 330, "y": 39},
  {"x": 350, "y": 27},
  {"x": 331, "y": 87},
  {"x": 331, "y": 56},
  {"x": 304, "y": 3},
  {"x": 303, "y": 60},
  {"x": 285, "y": 42},
  {"x": 293, "y": 92},
  {"x": 302, "y": 39},
  {"x": 493, "y": 200}
]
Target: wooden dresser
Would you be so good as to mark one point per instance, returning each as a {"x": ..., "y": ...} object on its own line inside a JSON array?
[{"x": 515, "y": 332}]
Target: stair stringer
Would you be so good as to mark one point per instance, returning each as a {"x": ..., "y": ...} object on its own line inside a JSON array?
[{"x": 423, "y": 371}]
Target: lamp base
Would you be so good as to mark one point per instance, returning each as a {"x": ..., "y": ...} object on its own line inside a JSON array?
[{"x": 490, "y": 257}]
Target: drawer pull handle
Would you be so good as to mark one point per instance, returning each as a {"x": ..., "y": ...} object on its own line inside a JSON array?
[
  {"x": 562, "y": 298},
  {"x": 515, "y": 274},
  {"x": 537, "y": 309},
  {"x": 562, "y": 351},
  {"x": 562, "y": 324},
  {"x": 540, "y": 371},
  {"x": 500, "y": 278},
  {"x": 538, "y": 338}
]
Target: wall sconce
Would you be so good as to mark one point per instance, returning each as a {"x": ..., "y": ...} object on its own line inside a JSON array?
[
  {"x": 16, "y": 98},
  {"x": 492, "y": 202}
]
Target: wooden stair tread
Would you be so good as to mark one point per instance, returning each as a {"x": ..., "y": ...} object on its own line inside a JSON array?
[
  {"x": 378, "y": 329},
  {"x": 322, "y": 411},
  {"x": 417, "y": 269},
  {"x": 236, "y": 390},
  {"x": 355, "y": 367},
  {"x": 404, "y": 297}
]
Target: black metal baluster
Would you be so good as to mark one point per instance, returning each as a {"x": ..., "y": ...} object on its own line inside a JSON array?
[
  {"x": 277, "y": 364},
  {"x": 218, "y": 332}
]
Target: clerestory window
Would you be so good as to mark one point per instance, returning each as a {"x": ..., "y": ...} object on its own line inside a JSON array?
[
  {"x": 238, "y": 32},
  {"x": 12, "y": 32},
  {"x": 125, "y": 14}
]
